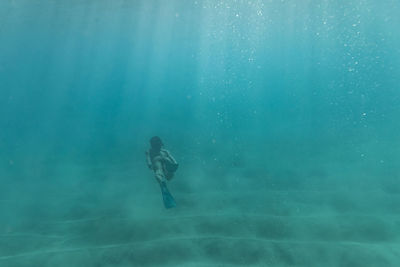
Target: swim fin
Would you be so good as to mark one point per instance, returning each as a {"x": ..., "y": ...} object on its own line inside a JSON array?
[{"x": 169, "y": 201}]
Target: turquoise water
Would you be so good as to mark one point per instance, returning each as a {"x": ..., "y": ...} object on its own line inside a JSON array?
[{"x": 283, "y": 116}]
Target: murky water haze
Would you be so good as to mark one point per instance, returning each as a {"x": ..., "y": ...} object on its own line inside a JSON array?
[{"x": 283, "y": 116}]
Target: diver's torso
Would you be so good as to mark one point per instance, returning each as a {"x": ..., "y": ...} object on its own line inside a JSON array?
[{"x": 158, "y": 155}]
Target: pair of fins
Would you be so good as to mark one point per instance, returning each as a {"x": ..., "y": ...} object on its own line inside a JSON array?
[{"x": 169, "y": 201}]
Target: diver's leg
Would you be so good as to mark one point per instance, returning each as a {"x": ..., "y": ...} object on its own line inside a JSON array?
[
  {"x": 169, "y": 176},
  {"x": 159, "y": 172}
]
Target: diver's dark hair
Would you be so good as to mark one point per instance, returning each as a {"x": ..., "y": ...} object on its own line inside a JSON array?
[{"x": 156, "y": 143}]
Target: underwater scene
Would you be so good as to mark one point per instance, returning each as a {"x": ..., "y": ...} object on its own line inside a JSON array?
[{"x": 199, "y": 133}]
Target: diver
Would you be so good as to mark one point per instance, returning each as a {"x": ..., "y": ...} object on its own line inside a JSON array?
[{"x": 164, "y": 166}]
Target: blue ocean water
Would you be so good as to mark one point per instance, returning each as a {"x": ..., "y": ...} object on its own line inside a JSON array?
[{"x": 283, "y": 116}]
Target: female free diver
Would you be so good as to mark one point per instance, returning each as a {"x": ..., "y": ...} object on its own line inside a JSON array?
[{"x": 164, "y": 166}]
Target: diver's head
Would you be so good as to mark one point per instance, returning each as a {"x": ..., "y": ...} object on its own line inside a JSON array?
[{"x": 156, "y": 143}]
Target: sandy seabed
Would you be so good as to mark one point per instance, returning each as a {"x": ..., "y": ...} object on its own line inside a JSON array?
[{"x": 227, "y": 225}]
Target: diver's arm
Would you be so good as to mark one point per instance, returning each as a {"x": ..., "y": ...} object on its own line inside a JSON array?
[
  {"x": 148, "y": 160},
  {"x": 171, "y": 157}
]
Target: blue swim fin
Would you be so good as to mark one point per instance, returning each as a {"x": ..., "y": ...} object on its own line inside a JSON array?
[{"x": 169, "y": 201}]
